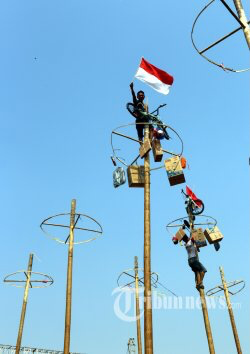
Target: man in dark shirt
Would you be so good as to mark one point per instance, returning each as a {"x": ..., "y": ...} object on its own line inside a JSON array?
[{"x": 139, "y": 106}]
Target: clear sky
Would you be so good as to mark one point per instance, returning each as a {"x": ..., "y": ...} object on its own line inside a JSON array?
[{"x": 65, "y": 69}]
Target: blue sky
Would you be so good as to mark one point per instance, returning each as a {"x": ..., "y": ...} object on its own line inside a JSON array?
[{"x": 65, "y": 70}]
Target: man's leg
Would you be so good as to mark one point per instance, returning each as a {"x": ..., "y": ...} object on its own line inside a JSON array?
[
  {"x": 202, "y": 274},
  {"x": 199, "y": 277},
  {"x": 139, "y": 128}
]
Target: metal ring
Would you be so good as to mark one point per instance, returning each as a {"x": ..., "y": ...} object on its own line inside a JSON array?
[
  {"x": 213, "y": 222},
  {"x": 205, "y": 57},
  {"x": 51, "y": 281},
  {"x": 127, "y": 125},
  {"x": 153, "y": 283},
  {"x": 99, "y": 232},
  {"x": 220, "y": 288}
]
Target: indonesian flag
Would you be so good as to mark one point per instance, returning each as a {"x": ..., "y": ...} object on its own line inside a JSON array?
[
  {"x": 191, "y": 194},
  {"x": 158, "y": 79}
]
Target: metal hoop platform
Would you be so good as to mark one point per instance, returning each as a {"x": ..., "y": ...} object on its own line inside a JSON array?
[
  {"x": 78, "y": 216},
  {"x": 21, "y": 283},
  {"x": 154, "y": 278},
  {"x": 122, "y": 161},
  {"x": 177, "y": 223},
  {"x": 200, "y": 52},
  {"x": 220, "y": 288}
]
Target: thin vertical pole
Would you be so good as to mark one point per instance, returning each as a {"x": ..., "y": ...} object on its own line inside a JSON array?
[
  {"x": 69, "y": 279},
  {"x": 230, "y": 310},
  {"x": 242, "y": 17},
  {"x": 203, "y": 303},
  {"x": 138, "y": 321},
  {"x": 148, "y": 327},
  {"x": 25, "y": 300}
]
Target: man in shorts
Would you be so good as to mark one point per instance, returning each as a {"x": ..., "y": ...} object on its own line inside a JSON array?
[{"x": 193, "y": 261}]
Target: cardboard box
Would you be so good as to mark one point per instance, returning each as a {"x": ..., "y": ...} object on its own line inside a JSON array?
[
  {"x": 145, "y": 147},
  {"x": 157, "y": 150},
  {"x": 174, "y": 171},
  {"x": 136, "y": 176},
  {"x": 213, "y": 235},
  {"x": 180, "y": 234},
  {"x": 199, "y": 237}
]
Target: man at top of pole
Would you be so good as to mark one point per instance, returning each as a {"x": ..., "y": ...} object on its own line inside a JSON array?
[
  {"x": 157, "y": 79},
  {"x": 139, "y": 106}
]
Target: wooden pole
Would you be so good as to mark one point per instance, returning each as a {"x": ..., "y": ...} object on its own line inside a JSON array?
[
  {"x": 148, "y": 326},
  {"x": 230, "y": 310},
  {"x": 206, "y": 321},
  {"x": 203, "y": 302},
  {"x": 25, "y": 300},
  {"x": 138, "y": 321},
  {"x": 243, "y": 19},
  {"x": 69, "y": 280}
]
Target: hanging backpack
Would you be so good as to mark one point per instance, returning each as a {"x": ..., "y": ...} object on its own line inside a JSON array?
[{"x": 119, "y": 177}]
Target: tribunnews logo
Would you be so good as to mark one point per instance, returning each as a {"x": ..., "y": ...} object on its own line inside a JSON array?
[{"x": 124, "y": 303}]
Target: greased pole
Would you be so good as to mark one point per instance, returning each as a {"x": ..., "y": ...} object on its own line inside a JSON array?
[
  {"x": 25, "y": 300},
  {"x": 230, "y": 310},
  {"x": 242, "y": 17},
  {"x": 204, "y": 304},
  {"x": 69, "y": 280},
  {"x": 138, "y": 321},
  {"x": 148, "y": 326}
]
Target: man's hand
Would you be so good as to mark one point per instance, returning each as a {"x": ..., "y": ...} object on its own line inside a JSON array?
[{"x": 131, "y": 85}]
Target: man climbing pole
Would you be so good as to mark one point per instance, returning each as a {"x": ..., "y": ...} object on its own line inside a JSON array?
[
  {"x": 193, "y": 261},
  {"x": 139, "y": 107}
]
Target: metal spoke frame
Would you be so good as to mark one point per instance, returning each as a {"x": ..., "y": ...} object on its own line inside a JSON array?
[
  {"x": 115, "y": 132},
  {"x": 201, "y": 52},
  {"x": 154, "y": 278},
  {"x": 230, "y": 284},
  {"x": 177, "y": 223},
  {"x": 98, "y": 231},
  {"x": 17, "y": 283}
]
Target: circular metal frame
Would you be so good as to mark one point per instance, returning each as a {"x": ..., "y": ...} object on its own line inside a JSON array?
[
  {"x": 48, "y": 282},
  {"x": 99, "y": 232},
  {"x": 204, "y": 56},
  {"x": 154, "y": 281},
  {"x": 213, "y": 222},
  {"x": 149, "y": 123},
  {"x": 220, "y": 288}
]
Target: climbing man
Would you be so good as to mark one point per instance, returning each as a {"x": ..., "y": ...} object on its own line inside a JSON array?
[
  {"x": 140, "y": 106},
  {"x": 193, "y": 260}
]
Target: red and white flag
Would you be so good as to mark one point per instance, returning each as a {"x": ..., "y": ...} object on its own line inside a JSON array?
[{"x": 158, "y": 79}]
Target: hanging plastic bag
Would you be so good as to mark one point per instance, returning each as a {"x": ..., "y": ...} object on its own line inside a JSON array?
[
  {"x": 183, "y": 162},
  {"x": 119, "y": 177},
  {"x": 158, "y": 133}
]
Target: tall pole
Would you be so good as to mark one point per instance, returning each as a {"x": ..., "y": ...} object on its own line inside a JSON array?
[
  {"x": 25, "y": 300},
  {"x": 69, "y": 280},
  {"x": 230, "y": 310},
  {"x": 242, "y": 17},
  {"x": 206, "y": 321},
  {"x": 148, "y": 326},
  {"x": 138, "y": 321},
  {"x": 204, "y": 303}
]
